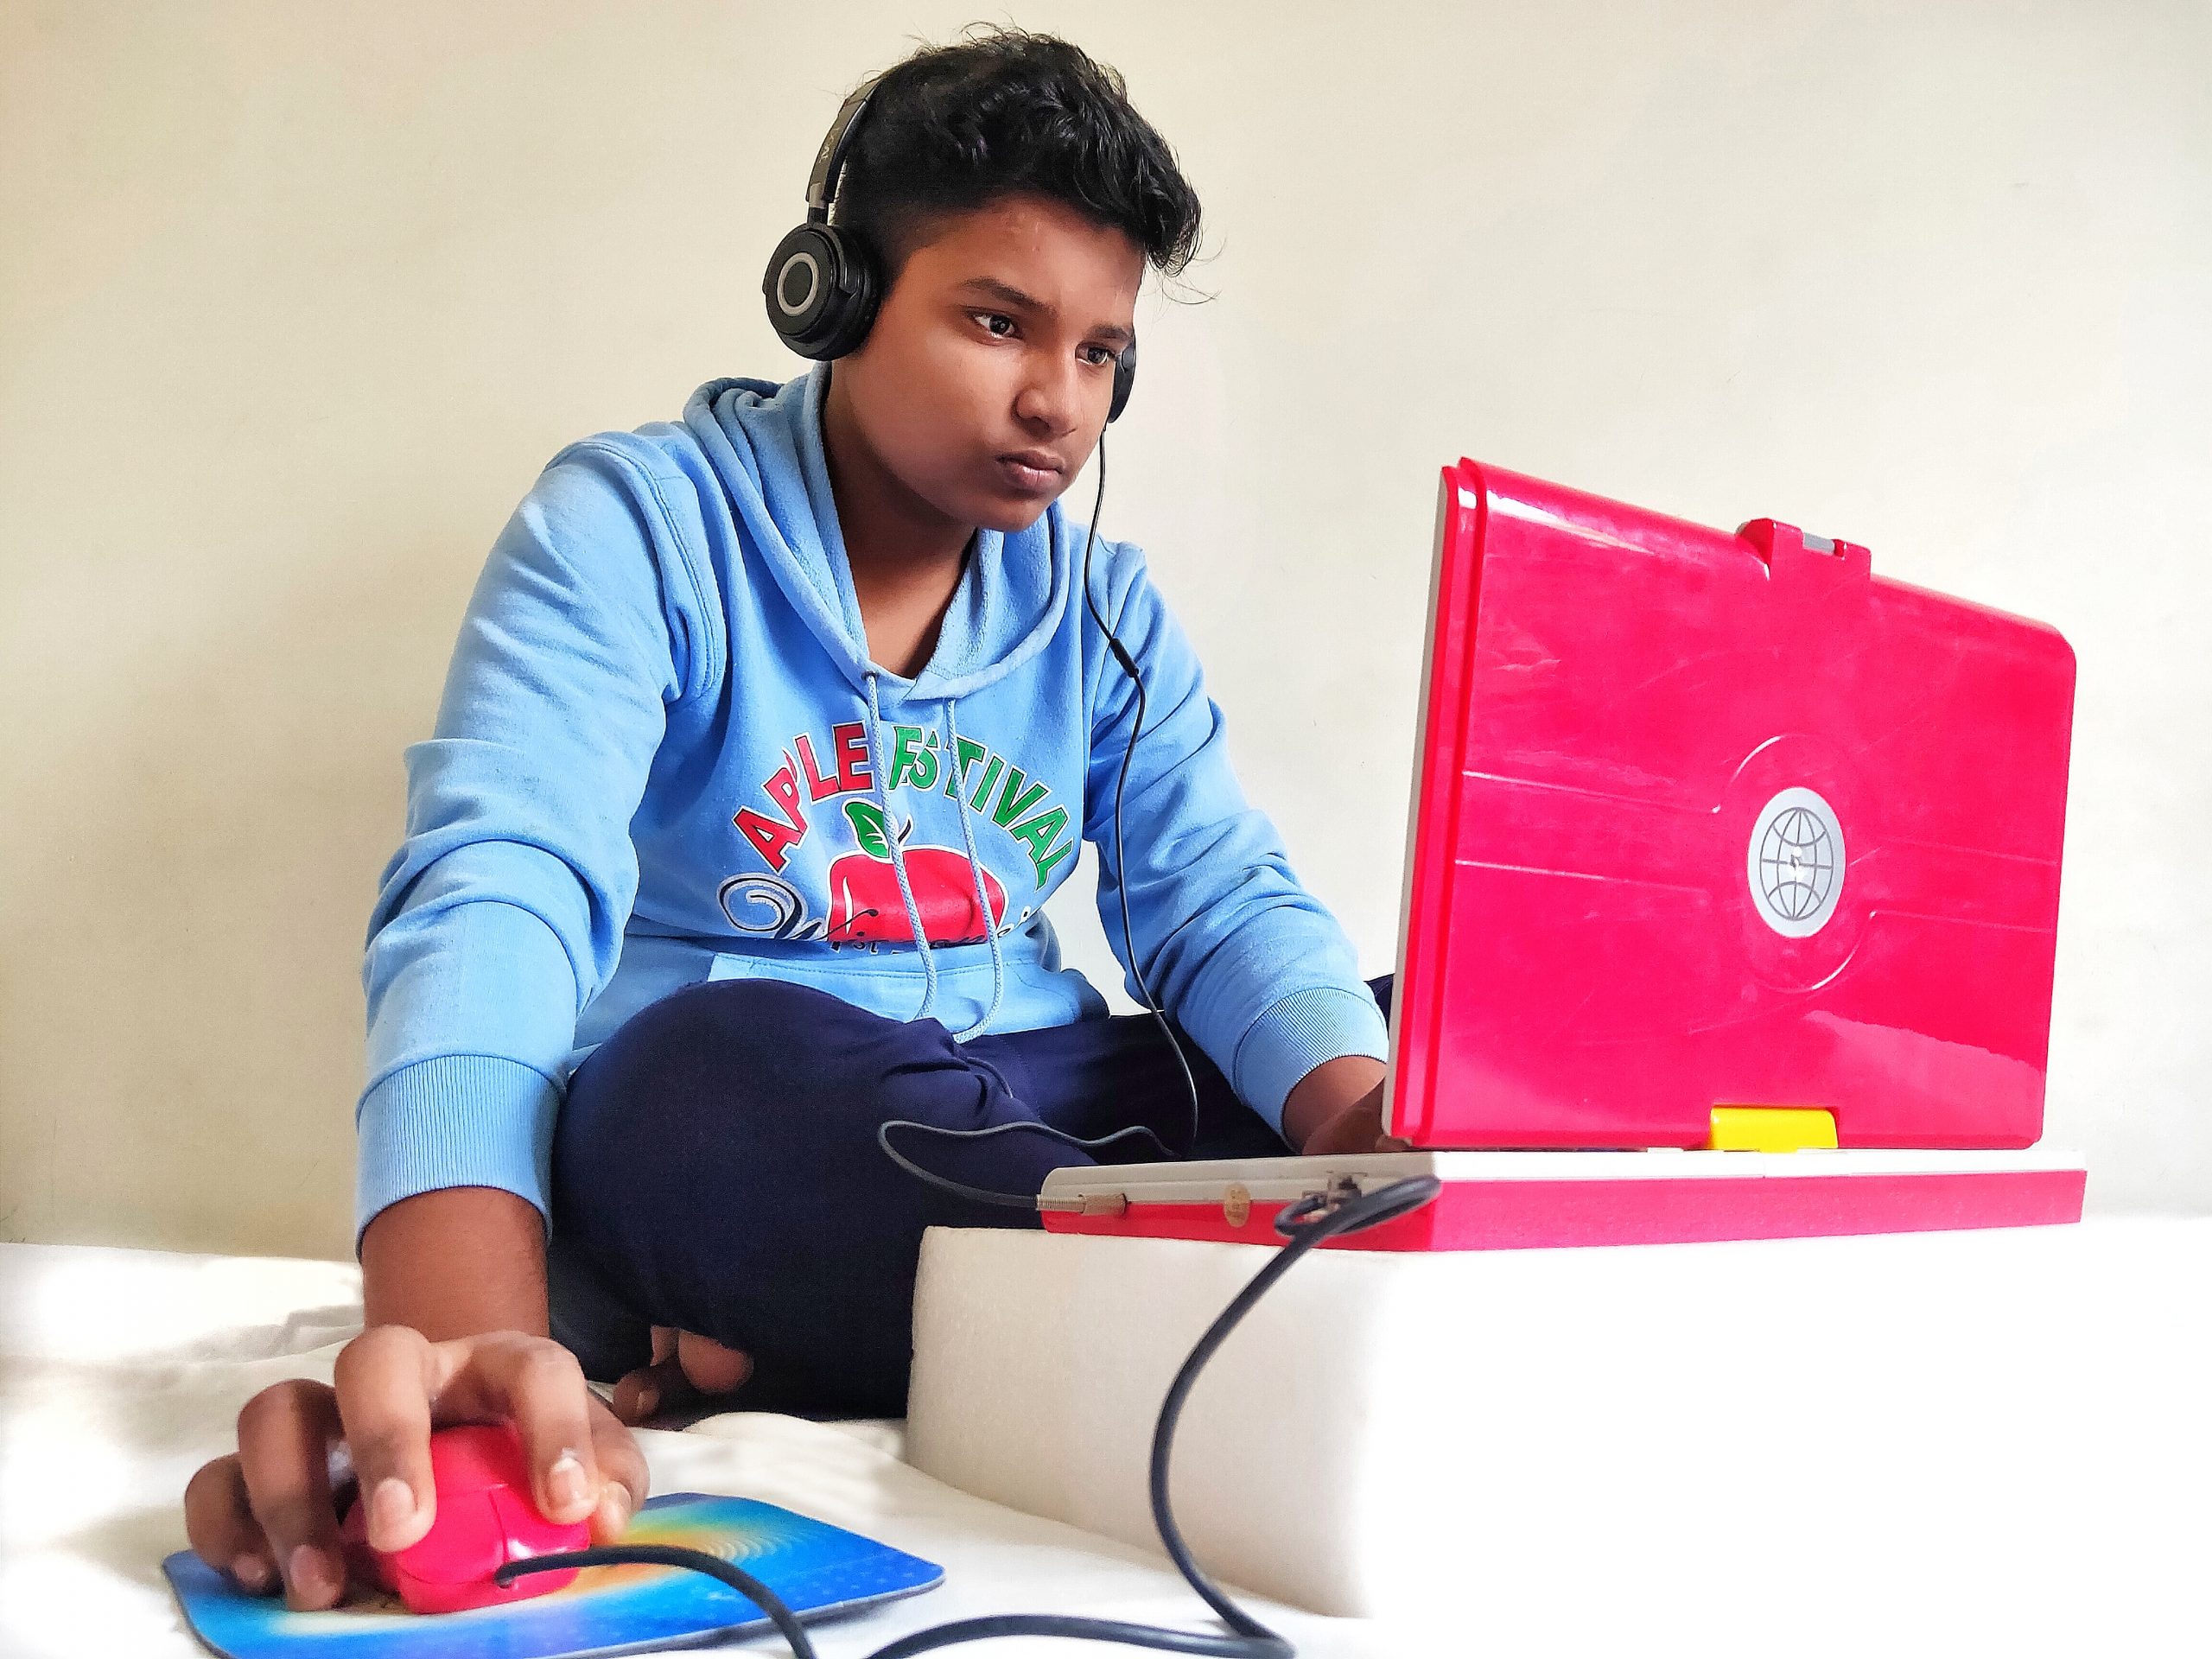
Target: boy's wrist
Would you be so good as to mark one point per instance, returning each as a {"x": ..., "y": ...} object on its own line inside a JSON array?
[{"x": 409, "y": 1253}]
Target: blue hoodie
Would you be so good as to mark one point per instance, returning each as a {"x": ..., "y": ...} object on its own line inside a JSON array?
[{"x": 663, "y": 756}]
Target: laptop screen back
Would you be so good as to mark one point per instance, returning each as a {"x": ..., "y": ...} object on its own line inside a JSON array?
[{"x": 1705, "y": 819}]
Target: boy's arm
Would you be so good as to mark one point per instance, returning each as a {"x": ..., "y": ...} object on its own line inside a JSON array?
[
  {"x": 500, "y": 916},
  {"x": 1249, "y": 964},
  {"x": 502, "y": 913}
]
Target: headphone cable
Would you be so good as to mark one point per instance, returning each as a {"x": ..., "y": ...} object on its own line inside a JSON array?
[
  {"x": 1121, "y": 784},
  {"x": 1030, "y": 1201}
]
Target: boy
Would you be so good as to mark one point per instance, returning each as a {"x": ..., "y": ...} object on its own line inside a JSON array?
[{"x": 769, "y": 733}]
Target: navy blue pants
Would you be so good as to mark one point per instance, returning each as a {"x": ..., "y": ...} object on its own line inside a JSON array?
[{"x": 716, "y": 1169}]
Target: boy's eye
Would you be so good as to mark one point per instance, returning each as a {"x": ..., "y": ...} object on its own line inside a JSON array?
[
  {"x": 1098, "y": 356},
  {"x": 997, "y": 322}
]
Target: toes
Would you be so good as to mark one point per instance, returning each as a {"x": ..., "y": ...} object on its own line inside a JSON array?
[
  {"x": 708, "y": 1366},
  {"x": 644, "y": 1391}
]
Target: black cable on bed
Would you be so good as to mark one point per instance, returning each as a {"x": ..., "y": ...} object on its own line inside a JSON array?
[{"x": 1309, "y": 1223}]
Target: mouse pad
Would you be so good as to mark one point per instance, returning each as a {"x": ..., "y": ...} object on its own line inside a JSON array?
[{"x": 819, "y": 1570}]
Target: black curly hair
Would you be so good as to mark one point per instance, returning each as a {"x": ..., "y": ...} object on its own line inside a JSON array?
[{"x": 1003, "y": 111}]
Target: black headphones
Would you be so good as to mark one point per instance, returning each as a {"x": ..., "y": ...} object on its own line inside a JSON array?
[{"x": 823, "y": 283}]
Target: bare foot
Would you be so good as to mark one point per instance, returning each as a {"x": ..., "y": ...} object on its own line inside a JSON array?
[{"x": 687, "y": 1370}]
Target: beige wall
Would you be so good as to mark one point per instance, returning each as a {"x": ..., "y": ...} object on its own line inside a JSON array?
[{"x": 294, "y": 299}]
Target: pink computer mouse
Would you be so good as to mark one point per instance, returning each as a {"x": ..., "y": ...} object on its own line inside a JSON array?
[{"x": 486, "y": 1518}]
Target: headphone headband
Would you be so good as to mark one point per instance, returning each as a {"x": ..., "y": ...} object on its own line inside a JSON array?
[{"x": 830, "y": 160}]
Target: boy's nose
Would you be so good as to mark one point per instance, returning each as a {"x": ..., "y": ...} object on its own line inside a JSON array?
[{"x": 1052, "y": 401}]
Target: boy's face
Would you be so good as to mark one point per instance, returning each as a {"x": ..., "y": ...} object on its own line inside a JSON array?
[{"x": 984, "y": 383}]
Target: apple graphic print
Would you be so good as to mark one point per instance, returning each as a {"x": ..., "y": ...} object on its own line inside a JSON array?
[
  {"x": 864, "y": 902},
  {"x": 861, "y": 905}
]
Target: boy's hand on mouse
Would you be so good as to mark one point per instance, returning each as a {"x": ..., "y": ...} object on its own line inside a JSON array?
[{"x": 265, "y": 1514}]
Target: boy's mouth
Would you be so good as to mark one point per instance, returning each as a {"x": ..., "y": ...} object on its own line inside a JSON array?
[{"x": 1032, "y": 472}]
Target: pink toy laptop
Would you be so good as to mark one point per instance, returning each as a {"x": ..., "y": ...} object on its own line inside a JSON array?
[{"x": 1731, "y": 895}]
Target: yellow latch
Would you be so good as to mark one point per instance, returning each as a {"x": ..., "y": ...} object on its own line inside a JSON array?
[{"x": 1771, "y": 1128}]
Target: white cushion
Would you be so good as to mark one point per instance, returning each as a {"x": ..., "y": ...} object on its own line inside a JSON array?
[{"x": 2003, "y": 1433}]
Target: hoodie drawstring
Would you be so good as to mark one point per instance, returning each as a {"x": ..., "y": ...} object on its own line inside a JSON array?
[
  {"x": 975, "y": 869},
  {"x": 959, "y": 793},
  {"x": 897, "y": 856}
]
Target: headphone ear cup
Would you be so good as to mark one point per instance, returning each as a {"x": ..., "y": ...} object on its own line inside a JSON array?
[
  {"x": 1125, "y": 381},
  {"x": 821, "y": 291}
]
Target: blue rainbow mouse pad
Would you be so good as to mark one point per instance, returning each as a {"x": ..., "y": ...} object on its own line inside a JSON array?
[{"x": 819, "y": 1570}]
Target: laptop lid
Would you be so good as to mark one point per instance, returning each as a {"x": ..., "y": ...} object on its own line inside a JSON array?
[{"x": 1704, "y": 819}]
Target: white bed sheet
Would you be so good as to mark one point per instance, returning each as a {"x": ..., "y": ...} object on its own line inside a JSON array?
[{"x": 122, "y": 1370}]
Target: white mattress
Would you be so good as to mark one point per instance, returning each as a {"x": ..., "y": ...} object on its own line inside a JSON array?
[{"x": 122, "y": 1370}]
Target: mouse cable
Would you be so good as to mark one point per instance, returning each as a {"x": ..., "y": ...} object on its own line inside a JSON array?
[
  {"x": 1310, "y": 1222},
  {"x": 1031, "y": 1201}
]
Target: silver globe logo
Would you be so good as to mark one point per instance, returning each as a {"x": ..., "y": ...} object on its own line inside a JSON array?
[{"x": 1796, "y": 863}]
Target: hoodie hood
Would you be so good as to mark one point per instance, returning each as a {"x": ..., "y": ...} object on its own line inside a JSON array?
[{"x": 764, "y": 442}]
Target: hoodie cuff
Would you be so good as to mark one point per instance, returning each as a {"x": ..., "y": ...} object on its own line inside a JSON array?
[
  {"x": 1295, "y": 1035},
  {"x": 459, "y": 1119}
]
